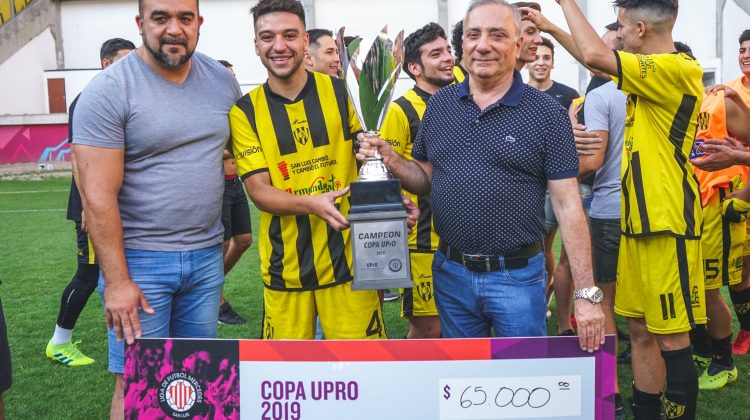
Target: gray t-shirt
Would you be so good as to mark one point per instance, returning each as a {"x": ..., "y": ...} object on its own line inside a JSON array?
[
  {"x": 173, "y": 136},
  {"x": 604, "y": 110}
]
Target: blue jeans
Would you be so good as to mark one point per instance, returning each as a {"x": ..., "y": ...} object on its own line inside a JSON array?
[
  {"x": 512, "y": 301},
  {"x": 183, "y": 288}
]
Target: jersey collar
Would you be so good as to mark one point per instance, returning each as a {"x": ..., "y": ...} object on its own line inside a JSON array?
[
  {"x": 278, "y": 98},
  {"x": 511, "y": 98}
]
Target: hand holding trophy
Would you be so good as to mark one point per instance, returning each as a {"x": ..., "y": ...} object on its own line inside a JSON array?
[{"x": 377, "y": 215}]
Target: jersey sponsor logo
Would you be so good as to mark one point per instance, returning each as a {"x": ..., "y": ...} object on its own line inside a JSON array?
[
  {"x": 247, "y": 152},
  {"x": 320, "y": 185},
  {"x": 312, "y": 164},
  {"x": 179, "y": 392},
  {"x": 394, "y": 143},
  {"x": 284, "y": 169},
  {"x": 646, "y": 64}
]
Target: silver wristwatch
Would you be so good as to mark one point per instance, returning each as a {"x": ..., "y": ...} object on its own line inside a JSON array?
[{"x": 592, "y": 294}]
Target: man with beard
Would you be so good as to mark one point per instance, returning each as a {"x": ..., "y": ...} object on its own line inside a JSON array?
[
  {"x": 323, "y": 55},
  {"x": 142, "y": 141},
  {"x": 292, "y": 138},
  {"x": 428, "y": 61}
]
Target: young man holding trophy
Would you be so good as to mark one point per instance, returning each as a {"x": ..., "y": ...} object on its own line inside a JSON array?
[{"x": 292, "y": 138}]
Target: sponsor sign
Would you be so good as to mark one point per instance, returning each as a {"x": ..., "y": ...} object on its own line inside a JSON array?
[{"x": 498, "y": 378}]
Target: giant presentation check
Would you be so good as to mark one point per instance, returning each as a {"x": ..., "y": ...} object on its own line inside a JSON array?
[{"x": 494, "y": 378}]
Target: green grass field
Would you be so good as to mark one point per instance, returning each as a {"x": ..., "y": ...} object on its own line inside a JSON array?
[{"x": 37, "y": 259}]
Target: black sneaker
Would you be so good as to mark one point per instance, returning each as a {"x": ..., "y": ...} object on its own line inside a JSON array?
[
  {"x": 389, "y": 296},
  {"x": 620, "y": 412},
  {"x": 227, "y": 315}
]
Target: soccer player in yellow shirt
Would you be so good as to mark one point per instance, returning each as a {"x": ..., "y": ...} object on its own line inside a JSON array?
[
  {"x": 428, "y": 61},
  {"x": 660, "y": 270}
]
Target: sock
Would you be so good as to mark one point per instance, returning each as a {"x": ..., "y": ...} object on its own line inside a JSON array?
[
  {"x": 681, "y": 395},
  {"x": 701, "y": 340},
  {"x": 61, "y": 335},
  {"x": 646, "y": 406},
  {"x": 722, "y": 351},
  {"x": 741, "y": 302},
  {"x": 76, "y": 294}
]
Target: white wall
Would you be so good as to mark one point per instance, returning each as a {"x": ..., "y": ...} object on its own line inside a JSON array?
[
  {"x": 22, "y": 85},
  {"x": 227, "y": 33}
]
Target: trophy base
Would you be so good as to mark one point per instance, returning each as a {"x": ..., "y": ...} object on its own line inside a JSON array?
[
  {"x": 380, "y": 250},
  {"x": 375, "y": 196}
]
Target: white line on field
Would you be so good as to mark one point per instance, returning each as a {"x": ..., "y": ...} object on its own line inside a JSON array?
[
  {"x": 32, "y": 191},
  {"x": 30, "y": 210}
]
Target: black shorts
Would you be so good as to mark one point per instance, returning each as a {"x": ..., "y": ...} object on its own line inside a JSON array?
[
  {"x": 85, "y": 248},
  {"x": 5, "y": 370},
  {"x": 235, "y": 212},
  {"x": 605, "y": 248}
]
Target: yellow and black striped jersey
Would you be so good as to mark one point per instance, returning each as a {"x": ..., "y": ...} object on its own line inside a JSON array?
[
  {"x": 306, "y": 147},
  {"x": 459, "y": 73},
  {"x": 400, "y": 129},
  {"x": 660, "y": 193}
]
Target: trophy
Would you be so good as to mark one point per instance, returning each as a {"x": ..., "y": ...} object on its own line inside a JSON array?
[{"x": 377, "y": 216}]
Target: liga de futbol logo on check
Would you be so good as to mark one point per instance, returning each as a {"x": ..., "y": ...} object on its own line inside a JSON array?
[{"x": 179, "y": 392}]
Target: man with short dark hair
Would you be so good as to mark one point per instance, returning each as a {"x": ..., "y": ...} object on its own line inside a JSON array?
[
  {"x": 322, "y": 55},
  {"x": 660, "y": 269},
  {"x": 60, "y": 347},
  {"x": 161, "y": 259},
  {"x": 531, "y": 37},
  {"x": 292, "y": 138},
  {"x": 489, "y": 268},
  {"x": 457, "y": 35},
  {"x": 428, "y": 61}
]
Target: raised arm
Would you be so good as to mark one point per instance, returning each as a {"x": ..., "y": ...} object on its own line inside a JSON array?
[{"x": 594, "y": 53}]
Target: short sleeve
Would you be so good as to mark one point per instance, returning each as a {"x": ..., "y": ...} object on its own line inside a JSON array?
[
  {"x": 647, "y": 76},
  {"x": 395, "y": 130},
  {"x": 101, "y": 114},
  {"x": 596, "y": 111},
  {"x": 246, "y": 146},
  {"x": 561, "y": 158}
]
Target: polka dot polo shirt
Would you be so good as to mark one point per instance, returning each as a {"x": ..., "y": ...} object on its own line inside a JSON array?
[{"x": 491, "y": 166}]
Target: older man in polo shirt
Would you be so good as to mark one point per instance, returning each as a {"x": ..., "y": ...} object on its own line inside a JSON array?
[{"x": 486, "y": 150}]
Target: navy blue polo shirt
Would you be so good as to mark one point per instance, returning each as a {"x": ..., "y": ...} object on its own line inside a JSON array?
[{"x": 491, "y": 166}]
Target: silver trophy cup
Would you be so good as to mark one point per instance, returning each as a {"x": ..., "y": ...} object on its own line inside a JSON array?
[{"x": 377, "y": 216}]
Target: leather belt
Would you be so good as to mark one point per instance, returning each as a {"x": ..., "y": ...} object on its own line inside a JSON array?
[{"x": 517, "y": 258}]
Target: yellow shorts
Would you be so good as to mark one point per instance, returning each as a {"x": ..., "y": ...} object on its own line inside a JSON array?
[
  {"x": 345, "y": 314},
  {"x": 660, "y": 279},
  {"x": 722, "y": 243},
  {"x": 419, "y": 300}
]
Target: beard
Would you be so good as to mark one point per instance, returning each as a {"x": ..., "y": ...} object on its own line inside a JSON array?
[
  {"x": 170, "y": 61},
  {"x": 438, "y": 81}
]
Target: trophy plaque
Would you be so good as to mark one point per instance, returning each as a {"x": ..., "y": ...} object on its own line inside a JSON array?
[{"x": 377, "y": 216}]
